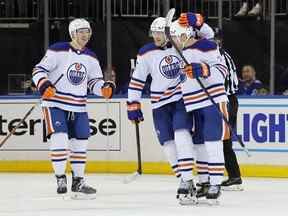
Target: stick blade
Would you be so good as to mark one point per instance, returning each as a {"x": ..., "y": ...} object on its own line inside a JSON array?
[
  {"x": 169, "y": 17},
  {"x": 130, "y": 178},
  {"x": 168, "y": 20}
]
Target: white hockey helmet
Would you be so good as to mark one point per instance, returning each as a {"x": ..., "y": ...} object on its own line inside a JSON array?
[
  {"x": 177, "y": 30},
  {"x": 77, "y": 24},
  {"x": 158, "y": 25}
]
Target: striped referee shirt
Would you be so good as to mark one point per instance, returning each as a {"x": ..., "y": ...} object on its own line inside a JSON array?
[{"x": 231, "y": 81}]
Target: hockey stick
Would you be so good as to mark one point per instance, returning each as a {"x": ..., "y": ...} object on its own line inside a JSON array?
[
  {"x": 139, "y": 160},
  {"x": 107, "y": 136},
  {"x": 108, "y": 76},
  {"x": 136, "y": 174},
  {"x": 169, "y": 18},
  {"x": 25, "y": 117}
]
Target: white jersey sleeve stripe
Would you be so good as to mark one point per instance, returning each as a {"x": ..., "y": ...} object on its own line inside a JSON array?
[
  {"x": 38, "y": 73},
  {"x": 96, "y": 86},
  {"x": 91, "y": 83},
  {"x": 38, "y": 77},
  {"x": 41, "y": 68},
  {"x": 94, "y": 79},
  {"x": 135, "y": 89},
  {"x": 136, "y": 84},
  {"x": 138, "y": 80},
  {"x": 222, "y": 69},
  {"x": 41, "y": 81}
]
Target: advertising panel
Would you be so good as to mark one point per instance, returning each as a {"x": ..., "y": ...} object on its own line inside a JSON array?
[{"x": 31, "y": 135}]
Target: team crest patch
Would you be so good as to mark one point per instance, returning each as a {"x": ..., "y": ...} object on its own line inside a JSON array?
[
  {"x": 76, "y": 73},
  {"x": 168, "y": 59},
  {"x": 170, "y": 67}
]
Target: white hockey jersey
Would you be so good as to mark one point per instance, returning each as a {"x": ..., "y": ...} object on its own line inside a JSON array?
[
  {"x": 204, "y": 51},
  {"x": 205, "y": 32},
  {"x": 164, "y": 67},
  {"x": 81, "y": 72}
]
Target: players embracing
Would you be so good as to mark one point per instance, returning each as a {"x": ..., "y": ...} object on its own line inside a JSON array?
[
  {"x": 171, "y": 121},
  {"x": 206, "y": 72}
]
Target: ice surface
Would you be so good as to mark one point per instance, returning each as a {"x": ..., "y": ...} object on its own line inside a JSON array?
[{"x": 34, "y": 195}]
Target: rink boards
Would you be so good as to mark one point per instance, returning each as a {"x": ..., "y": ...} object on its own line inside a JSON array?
[{"x": 262, "y": 124}]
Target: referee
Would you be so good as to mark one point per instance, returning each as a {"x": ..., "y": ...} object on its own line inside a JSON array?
[{"x": 234, "y": 181}]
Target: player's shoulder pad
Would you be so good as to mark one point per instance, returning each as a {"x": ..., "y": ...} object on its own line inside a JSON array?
[
  {"x": 148, "y": 47},
  {"x": 60, "y": 46},
  {"x": 89, "y": 52},
  {"x": 204, "y": 45}
]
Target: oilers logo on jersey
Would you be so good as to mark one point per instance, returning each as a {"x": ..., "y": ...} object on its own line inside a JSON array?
[
  {"x": 76, "y": 73},
  {"x": 170, "y": 67}
]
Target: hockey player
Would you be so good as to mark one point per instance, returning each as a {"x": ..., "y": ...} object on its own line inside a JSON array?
[
  {"x": 64, "y": 104},
  {"x": 202, "y": 30},
  {"x": 171, "y": 122},
  {"x": 205, "y": 65},
  {"x": 170, "y": 119}
]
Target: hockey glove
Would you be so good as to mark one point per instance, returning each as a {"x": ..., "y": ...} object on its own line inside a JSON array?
[
  {"x": 134, "y": 111},
  {"x": 196, "y": 70},
  {"x": 191, "y": 19},
  {"x": 47, "y": 89},
  {"x": 108, "y": 89}
]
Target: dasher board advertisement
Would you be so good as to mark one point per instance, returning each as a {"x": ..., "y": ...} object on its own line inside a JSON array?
[{"x": 104, "y": 121}]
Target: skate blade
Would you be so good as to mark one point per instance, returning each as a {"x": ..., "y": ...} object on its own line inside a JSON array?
[
  {"x": 233, "y": 188},
  {"x": 58, "y": 197},
  {"x": 64, "y": 196},
  {"x": 81, "y": 196},
  {"x": 213, "y": 202},
  {"x": 207, "y": 202},
  {"x": 130, "y": 178},
  {"x": 187, "y": 200}
]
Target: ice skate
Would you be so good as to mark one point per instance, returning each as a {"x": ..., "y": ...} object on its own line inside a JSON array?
[
  {"x": 61, "y": 184},
  {"x": 232, "y": 184},
  {"x": 80, "y": 190},
  {"x": 213, "y": 194},
  {"x": 186, "y": 193},
  {"x": 243, "y": 10},
  {"x": 255, "y": 11},
  {"x": 202, "y": 189}
]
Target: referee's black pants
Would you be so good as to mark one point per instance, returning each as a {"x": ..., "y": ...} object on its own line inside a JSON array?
[{"x": 231, "y": 163}]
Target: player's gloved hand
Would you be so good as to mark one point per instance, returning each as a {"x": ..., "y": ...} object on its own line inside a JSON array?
[
  {"x": 108, "y": 89},
  {"x": 47, "y": 89},
  {"x": 196, "y": 70},
  {"x": 134, "y": 111},
  {"x": 191, "y": 19}
]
